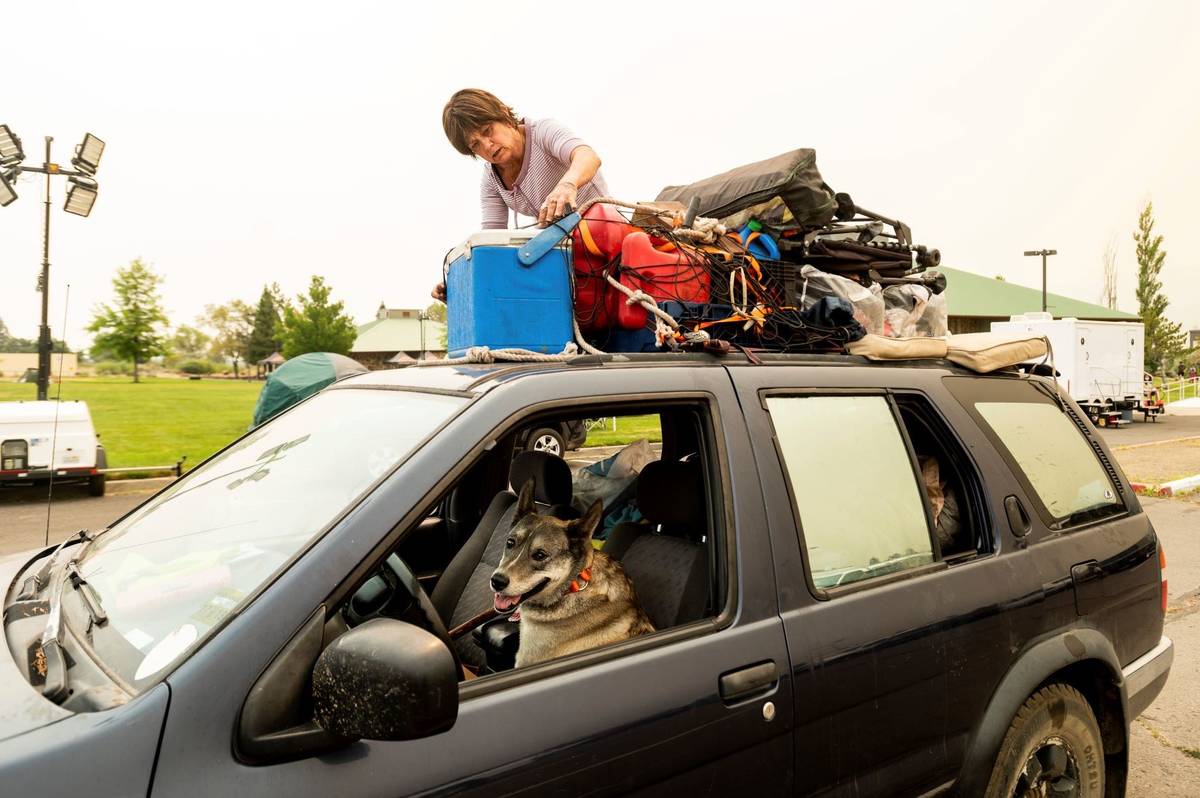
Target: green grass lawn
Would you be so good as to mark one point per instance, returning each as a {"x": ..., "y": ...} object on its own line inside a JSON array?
[
  {"x": 158, "y": 420},
  {"x": 629, "y": 429}
]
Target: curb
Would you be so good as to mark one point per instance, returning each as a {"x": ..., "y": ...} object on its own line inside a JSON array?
[
  {"x": 1127, "y": 446},
  {"x": 1167, "y": 488},
  {"x": 120, "y": 487}
]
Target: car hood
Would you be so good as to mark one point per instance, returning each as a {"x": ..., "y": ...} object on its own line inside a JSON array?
[{"x": 22, "y": 707}]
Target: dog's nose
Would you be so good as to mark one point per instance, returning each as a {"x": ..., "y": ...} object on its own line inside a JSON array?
[{"x": 499, "y": 581}]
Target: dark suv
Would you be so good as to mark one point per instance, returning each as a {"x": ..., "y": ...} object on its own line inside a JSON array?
[{"x": 866, "y": 580}]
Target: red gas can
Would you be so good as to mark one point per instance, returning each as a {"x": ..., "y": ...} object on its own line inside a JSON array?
[
  {"x": 596, "y": 245},
  {"x": 672, "y": 274}
]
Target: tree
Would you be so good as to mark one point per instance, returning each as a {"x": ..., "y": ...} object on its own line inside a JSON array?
[
  {"x": 316, "y": 324},
  {"x": 189, "y": 342},
  {"x": 1164, "y": 338},
  {"x": 437, "y": 312},
  {"x": 1108, "y": 294},
  {"x": 10, "y": 343},
  {"x": 264, "y": 335},
  {"x": 132, "y": 329},
  {"x": 231, "y": 324}
]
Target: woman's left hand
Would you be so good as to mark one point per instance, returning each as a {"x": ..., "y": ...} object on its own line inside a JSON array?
[{"x": 560, "y": 202}]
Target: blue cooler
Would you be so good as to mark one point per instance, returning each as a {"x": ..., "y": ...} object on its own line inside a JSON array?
[{"x": 494, "y": 301}]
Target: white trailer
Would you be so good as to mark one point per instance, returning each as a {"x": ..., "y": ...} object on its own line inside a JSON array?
[
  {"x": 1101, "y": 364},
  {"x": 40, "y": 439}
]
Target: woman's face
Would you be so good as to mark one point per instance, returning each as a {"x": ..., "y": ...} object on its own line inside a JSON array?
[{"x": 497, "y": 143}]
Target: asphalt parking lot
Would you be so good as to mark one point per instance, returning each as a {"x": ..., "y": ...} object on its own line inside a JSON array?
[{"x": 1165, "y": 742}]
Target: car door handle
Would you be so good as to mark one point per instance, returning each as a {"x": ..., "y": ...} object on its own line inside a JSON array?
[
  {"x": 747, "y": 681},
  {"x": 1018, "y": 519}
]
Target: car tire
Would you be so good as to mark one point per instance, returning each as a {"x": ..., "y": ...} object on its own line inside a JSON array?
[
  {"x": 1053, "y": 741},
  {"x": 96, "y": 485},
  {"x": 545, "y": 439}
]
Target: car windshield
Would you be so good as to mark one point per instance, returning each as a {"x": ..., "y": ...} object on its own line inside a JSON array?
[{"x": 192, "y": 555}]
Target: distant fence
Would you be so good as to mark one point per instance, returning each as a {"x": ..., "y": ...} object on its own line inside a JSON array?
[
  {"x": 1183, "y": 388},
  {"x": 176, "y": 469}
]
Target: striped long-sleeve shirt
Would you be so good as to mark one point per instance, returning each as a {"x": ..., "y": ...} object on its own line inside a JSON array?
[{"x": 548, "y": 148}]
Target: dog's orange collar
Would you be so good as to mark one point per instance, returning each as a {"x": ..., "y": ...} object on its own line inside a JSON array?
[{"x": 585, "y": 576}]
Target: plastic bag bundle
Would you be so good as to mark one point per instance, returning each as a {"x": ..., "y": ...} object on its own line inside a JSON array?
[
  {"x": 612, "y": 481},
  {"x": 868, "y": 305},
  {"x": 912, "y": 311}
]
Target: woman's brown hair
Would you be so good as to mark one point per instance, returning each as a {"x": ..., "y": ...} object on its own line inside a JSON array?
[{"x": 470, "y": 109}]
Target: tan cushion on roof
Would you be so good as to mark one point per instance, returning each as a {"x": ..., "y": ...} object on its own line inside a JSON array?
[
  {"x": 984, "y": 352},
  {"x": 877, "y": 347}
]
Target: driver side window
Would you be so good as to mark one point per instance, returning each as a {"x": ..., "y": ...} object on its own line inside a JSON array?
[{"x": 551, "y": 553}]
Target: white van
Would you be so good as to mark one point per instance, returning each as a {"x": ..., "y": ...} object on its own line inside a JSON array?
[
  {"x": 34, "y": 444},
  {"x": 1100, "y": 363}
]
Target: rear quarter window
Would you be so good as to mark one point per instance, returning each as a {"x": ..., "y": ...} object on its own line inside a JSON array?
[{"x": 1046, "y": 447}]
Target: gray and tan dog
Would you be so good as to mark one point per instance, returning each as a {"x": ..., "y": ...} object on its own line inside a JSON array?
[{"x": 571, "y": 596}]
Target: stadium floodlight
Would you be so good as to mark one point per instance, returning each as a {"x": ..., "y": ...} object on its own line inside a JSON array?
[
  {"x": 7, "y": 192},
  {"x": 81, "y": 196},
  {"x": 10, "y": 147},
  {"x": 87, "y": 154}
]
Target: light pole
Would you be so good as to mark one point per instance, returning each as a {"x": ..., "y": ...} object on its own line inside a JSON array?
[
  {"x": 1043, "y": 253},
  {"x": 81, "y": 196}
]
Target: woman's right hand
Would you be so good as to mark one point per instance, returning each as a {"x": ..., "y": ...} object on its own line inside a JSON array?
[{"x": 439, "y": 292}]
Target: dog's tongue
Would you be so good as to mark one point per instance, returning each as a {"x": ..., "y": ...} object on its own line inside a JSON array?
[{"x": 505, "y": 603}]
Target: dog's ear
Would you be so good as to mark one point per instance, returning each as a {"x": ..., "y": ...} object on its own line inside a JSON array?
[
  {"x": 525, "y": 500},
  {"x": 583, "y": 528}
]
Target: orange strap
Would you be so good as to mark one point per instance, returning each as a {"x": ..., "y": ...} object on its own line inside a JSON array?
[
  {"x": 589, "y": 243},
  {"x": 758, "y": 315}
]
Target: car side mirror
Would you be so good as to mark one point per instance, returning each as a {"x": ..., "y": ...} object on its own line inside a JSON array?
[{"x": 385, "y": 680}]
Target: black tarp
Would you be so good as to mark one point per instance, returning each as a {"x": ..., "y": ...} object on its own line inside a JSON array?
[{"x": 792, "y": 177}]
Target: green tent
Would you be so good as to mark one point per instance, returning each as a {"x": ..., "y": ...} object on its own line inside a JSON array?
[{"x": 299, "y": 378}]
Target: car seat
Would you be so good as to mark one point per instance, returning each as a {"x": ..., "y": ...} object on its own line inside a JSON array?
[
  {"x": 464, "y": 589},
  {"x": 665, "y": 555}
]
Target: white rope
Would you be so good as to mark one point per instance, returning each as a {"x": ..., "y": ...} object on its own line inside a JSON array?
[
  {"x": 643, "y": 299},
  {"x": 583, "y": 344},
  {"x": 733, "y": 275},
  {"x": 483, "y": 354},
  {"x": 702, "y": 229}
]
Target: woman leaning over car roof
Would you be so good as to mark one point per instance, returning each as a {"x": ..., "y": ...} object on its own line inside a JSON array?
[{"x": 535, "y": 167}]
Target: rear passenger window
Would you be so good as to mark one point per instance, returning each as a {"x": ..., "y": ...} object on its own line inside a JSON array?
[
  {"x": 860, "y": 507},
  {"x": 1059, "y": 464}
]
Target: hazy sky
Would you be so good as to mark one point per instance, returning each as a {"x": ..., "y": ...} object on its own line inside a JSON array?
[{"x": 253, "y": 142}]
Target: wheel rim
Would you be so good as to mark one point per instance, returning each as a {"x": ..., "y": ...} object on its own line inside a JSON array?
[
  {"x": 548, "y": 444},
  {"x": 1051, "y": 770}
]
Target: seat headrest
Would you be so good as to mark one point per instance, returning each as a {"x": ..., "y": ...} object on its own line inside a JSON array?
[
  {"x": 672, "y": 494},
  {"x": 550, "y": 474}
]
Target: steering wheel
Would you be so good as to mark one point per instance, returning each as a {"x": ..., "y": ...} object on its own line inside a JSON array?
[{"x": 394, "y": 592}]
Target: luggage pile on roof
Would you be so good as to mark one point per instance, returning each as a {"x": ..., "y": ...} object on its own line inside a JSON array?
[
  {"x": 763, "y": 256},
  {"x": 778, "y": 260}
]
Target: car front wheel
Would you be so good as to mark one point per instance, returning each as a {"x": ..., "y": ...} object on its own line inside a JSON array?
[
  {"x": 546, "y": 440},
  {"x": 1053, "y": 747}
]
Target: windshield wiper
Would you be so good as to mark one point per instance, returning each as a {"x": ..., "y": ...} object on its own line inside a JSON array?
[
  {"x": 55, "y": 686},
  {"x": 91, "y": 598},
  {"x": 34, "y": 584}
]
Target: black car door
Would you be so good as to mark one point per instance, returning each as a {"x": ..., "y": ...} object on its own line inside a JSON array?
[
  {"x": 859, "y": 580},
  {"x": 702, "y": 708}
]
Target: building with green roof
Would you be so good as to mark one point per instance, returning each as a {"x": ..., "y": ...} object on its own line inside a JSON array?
[
  {"x": 398, "y": 336},
  {"x": 975, "y": 301}
]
